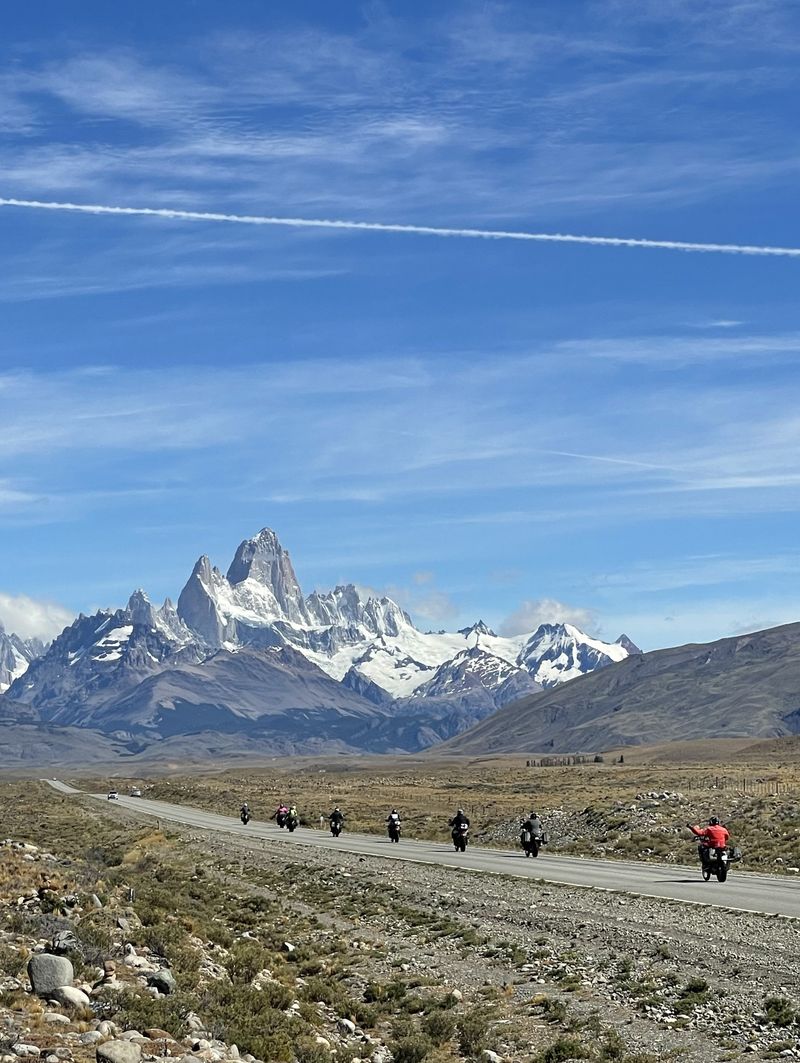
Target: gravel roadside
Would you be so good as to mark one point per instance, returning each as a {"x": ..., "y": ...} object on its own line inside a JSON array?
[{"x": 672, "y": 979}]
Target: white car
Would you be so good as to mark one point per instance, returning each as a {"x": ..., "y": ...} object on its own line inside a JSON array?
[
  {"x": 136, "y": 792},
  {"x": 112, "y": 795}
]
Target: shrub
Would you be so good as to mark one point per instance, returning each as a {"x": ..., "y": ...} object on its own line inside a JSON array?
[
  {"x": 308, "y": 1051},
  {"x": 411, "y": 1049},
  {"x": 246, "y": 959},
  {"x": 780, "y": 1011},
  {"x": 473, "y": 1032},
  {"x": 440, "y": 1026},
  {"x": 563, "y": 1048}
]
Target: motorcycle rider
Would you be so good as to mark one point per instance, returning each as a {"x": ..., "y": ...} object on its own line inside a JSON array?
[
  {"x": 244, "y": 810},
  {"x": 393, "y": 820},
  {"x": 534, "y": 825},
  {"x": 458, "y": 821},
  {"x": 714, "y": 836},
  {"x": 337, "y": 817},
  {"x": 280, "y": 814}
]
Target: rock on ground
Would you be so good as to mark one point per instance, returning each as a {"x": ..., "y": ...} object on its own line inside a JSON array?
[
  {"x": 118, "y": 1051},
  {"x": 48, "y": 973}
]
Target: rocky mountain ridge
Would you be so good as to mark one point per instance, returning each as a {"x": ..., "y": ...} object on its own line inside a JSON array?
[
  {"x": 246, "y": 651},
  {"x": 746, "y": 685},
  {"x": 16, "y": 655}
]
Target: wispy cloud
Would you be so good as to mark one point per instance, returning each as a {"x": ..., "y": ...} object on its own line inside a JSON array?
[
  {"x": 33, "y": 618},
  {"x": 530, "y": 613}
]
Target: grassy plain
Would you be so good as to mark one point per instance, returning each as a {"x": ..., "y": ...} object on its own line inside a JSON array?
[{"x": 603, "y": 808}]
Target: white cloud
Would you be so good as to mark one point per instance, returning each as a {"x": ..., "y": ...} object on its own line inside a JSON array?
[
  {"x": 33, "y": 618},
  {"x": 533, "y": 612}
]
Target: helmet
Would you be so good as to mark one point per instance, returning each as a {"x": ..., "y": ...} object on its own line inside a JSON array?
[
  {"x": 713, "y": 822},
  {"x": 394, "y": 812},
  {"x": 460, "y": 812}
]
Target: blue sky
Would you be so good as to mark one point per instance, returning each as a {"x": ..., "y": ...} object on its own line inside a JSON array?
[{"x": 481, "y": 428}]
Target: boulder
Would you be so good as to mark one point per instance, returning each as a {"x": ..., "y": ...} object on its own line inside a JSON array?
[
  {"x": 118, "y": 1051},
  {"x": 48, "y": 973},
  {"x": 57, "y": 1018},
  {"x": 23, "y": 1049},
  {"x": 64, "y": 941},
  {"x": 70, "y": 996},
  {"x": 163, "y": 981}
]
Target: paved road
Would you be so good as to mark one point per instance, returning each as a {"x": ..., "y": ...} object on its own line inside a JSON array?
[{"x": 748, "y": 892}]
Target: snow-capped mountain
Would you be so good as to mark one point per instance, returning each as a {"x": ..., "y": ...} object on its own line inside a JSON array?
[
  {"x": 555, "y": 653},
  {"x": 103, "y": 656},
  {"x": 474, "y": 669},
  {"x": 373, "y": 657},
  {"x": 16, "y": 655}
]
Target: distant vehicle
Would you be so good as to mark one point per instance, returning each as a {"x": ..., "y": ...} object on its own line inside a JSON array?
[
  {"x": 112, "y": 795},
  {"x": 136, "y": 792}
]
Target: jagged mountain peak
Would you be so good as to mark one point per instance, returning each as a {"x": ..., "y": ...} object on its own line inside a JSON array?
[
  {"x": 16, "y": 656},
  {"x": 557, "y": 652},
  {"x": 140, "y": 609},
  {"x": 478, "y": 628},
  {"x": 263, "y": 560},
  {"x": 346, "y": 605},
  {"x": 627, "y": 644}
]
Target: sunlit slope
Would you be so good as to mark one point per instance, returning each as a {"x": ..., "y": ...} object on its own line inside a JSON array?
[{"x": 746, "y": 685}]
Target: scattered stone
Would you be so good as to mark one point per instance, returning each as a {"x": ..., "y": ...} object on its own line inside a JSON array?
[
  {"x": 491, "y": 1057},
  {"x": 289, "y": 947},
  {"x": 95, "y": 901},
  {"x": 118, "y": 1051},
  {"x": 347, "y": 1025},
  {"x": 48, "y": 973},
  {"x": 70, "y": 996},
  {"x": 56, "y": 1017},
  {"x": 456, "y": 994},
  {"x": 155, "y": 1033},
  {"x": 91, "y": 1037},
  {"x": 64, "y": 941},
  {"x": 22, "y": 1049},
  {"x": 163, "y": 981}
]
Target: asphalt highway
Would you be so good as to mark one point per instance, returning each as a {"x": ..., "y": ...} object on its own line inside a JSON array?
[{"x": 768, "y": 894}]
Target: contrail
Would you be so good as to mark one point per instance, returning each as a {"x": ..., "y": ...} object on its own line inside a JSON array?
[{"x": 419, "y": 230}]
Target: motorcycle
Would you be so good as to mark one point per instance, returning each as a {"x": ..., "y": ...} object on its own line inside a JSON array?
[
  {"x": 336, "y": 827},
  {"x": 530, "y": 843},
  {"x": 292, "y": 823},
  {"x": 459, "y": 835},
  {"x": 394, "y": 831},
  {"x": 281, "y": 818},
  {"x": 717, "y": 861},
  {"x": 244, "y": 817}
]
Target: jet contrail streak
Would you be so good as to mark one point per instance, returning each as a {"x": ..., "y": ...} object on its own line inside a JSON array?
[{"x": 420, "y": 230}]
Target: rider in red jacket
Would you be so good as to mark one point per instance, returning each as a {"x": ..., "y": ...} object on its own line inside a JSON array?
[{"x": 714, "y": 836}]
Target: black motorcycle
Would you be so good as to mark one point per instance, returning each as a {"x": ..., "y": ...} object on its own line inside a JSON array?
[
  {"x": 394, "y": 831},
  {"x": 244, "y": 816},
  {"x": 281, "y": 818},
  {"x": 292, "y": 823},
  {"x": 717, "y": 861},
  {"x": 336, "y": 827},
  {"x": 530, "y": 842},
  {"x": 460, "y": 834}
]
